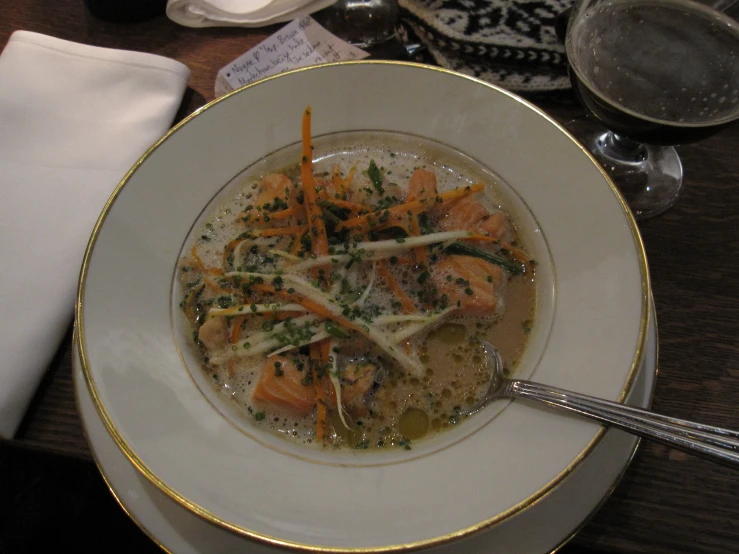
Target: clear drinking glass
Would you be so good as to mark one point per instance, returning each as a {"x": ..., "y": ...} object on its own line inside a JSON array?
[
  {"x": 653, "y": 73},
  {"x": 363, "y": 23}
]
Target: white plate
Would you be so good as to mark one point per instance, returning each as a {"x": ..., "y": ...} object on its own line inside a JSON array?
[
  {"x": 593, "y": 341},
  {"x": 540, "y": 529}
]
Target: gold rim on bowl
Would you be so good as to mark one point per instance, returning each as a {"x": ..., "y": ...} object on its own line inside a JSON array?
[{"x": 130, "y": 453}]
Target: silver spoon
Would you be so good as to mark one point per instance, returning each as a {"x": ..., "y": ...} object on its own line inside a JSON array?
[{"x": 715, "y": 443}]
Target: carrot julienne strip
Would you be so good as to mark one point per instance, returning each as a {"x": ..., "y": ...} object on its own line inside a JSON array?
[
  {"x": 214, "y": 286},
  {"x": 282, "y": 316},
  {"x": 228, "y": 250},
  {"x": 196, "y": 257},
  {"x": 201, "y": 267},
  {"x": 236, "y": 328},
  {"x": 315, "y": 361},
  {"x": 307, "y": 303},
  {"x": 277, "y": 216},
  {"x": 280, "y": 231},
  {"x": 234, "y": 335},
  {"x": 295, "y": 247},
  {"x": 516, "y": 253},
  {"x": 325, "y": 350},
  {"x": 483, "y": 238},
  {"x": 337, "y": 179},
  {"x": 353, "y": 206},
  {"x": 420, "y": 251},
  {"x": 340, "y": 183},
  {"x": 398, "y": 212},
  {"x": 406, "y": 302},
  {"x": 319, "y": 303},
  {"x": 316, "y": 225}
]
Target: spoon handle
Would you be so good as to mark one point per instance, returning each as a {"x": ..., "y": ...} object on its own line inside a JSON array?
[{"x": 716, "y": 443}]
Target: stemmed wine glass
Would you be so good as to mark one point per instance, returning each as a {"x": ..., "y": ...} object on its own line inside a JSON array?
[
  {"x": 372, "y": 25},
  {"x": 653, "y": 73}
]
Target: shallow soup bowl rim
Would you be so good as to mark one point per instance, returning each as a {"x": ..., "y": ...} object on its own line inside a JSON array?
[{"x": 593, "y": 342}]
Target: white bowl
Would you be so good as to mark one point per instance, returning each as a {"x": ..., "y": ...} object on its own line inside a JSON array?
[
  {"x": 488, "y": 469},
  {"x": 547, "y": 524}
]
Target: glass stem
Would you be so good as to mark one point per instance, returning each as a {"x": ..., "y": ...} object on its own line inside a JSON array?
[{"x": 622, "y": 149}]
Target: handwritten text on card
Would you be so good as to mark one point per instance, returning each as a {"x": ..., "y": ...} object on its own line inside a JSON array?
[{"x": 301, "y": 43}]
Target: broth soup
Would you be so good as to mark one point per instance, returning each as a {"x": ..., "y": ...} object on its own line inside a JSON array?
[{"x": 338, "y": 296}]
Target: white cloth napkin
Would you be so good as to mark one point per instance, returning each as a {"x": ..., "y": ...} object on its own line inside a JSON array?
[
  {"x": 73, "y": 119},
  {"x": 240, "y": 13}
]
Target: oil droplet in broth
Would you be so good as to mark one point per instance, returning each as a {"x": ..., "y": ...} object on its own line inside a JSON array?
[{"x": 414, "y": 423}]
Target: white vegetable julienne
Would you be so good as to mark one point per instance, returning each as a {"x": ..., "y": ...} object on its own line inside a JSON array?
[
  {"x": 412, "y": 242},
  {"x": 320, "y": 335},
  {"x": 362, "y": 299},
  {"x": 239, "y": 351},
  {"x": 286, "y": 255},
  {"x": 237, "y": 255},
  {"x": 279, "y": 327},
  {"x": 246, "y": 309},
  {"x": 379, "y": 337},
  {"x": 403, "y": 318},
  {"x": 260, "y": 342},
  {"x": 335, "y": 288},
  {"x": 267, "y": 345},
  {"x": 264, "y": 341},
  {"x": 333, "y": 375},
  {"x": 350, "y": 275},
  {"x": 410, "y": 330},
  {"x": 380, "y": 249}
]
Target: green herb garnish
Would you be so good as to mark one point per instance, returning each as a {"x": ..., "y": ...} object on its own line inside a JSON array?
[
  {"x": 375, "y": 175},
  {"x": 335, "y": 331},
  {"x": 465, "y": 250}
]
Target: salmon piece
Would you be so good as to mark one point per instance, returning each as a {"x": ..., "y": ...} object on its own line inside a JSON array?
[
  {"x": 275, "y": 185},
  {"x": 328, "y": 187},
  {"x": 472, "y": 282},
  {"x": 468, "y": 213},
  {"x": 462, "y": 214},
  {"x": 496, "y": 225},
  {"x": 281, "y": 386},
  {"x": 421, "y": 185},
  {"x": 214, "y": 333},
  {"x": 274, "y": 193},
  {"x": 357, "y": 381}
]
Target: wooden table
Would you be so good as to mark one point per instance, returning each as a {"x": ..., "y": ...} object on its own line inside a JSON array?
[{"x": 668, "y": 501}]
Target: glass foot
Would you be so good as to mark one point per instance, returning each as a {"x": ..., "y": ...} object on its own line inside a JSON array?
[{"x": 649, "y": 177}]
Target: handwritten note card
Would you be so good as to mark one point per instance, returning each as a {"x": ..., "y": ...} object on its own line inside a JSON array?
[{"x": 299, "y": 44}]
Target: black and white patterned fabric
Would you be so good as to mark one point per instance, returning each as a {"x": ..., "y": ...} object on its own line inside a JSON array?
[{"x": 510, "y": 43}]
